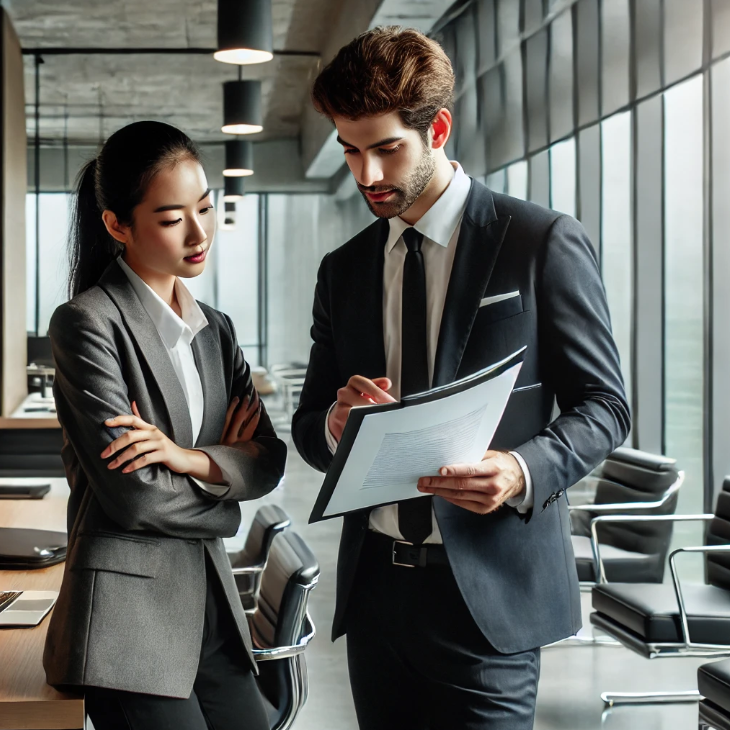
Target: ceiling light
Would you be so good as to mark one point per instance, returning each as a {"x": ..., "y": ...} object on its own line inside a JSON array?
[
  {"x": 244, "y": 31},
  {"x": 227, "y": 218},
  {"x": 242, "y": 107},
  {"x": 239, "y": 158},
  {"x": 233, "y": 189}
]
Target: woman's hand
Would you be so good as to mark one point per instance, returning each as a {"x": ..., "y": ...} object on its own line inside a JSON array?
[
  {"x": 242, "y": 420},
  {"x": 146, "y": 442}
]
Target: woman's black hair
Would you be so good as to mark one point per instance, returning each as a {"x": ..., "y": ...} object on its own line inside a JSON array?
[{"x": 117, "y": 180}]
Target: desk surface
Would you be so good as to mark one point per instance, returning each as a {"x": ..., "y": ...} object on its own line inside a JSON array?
[
  {"x": 26, "y": 701},
  {"x": 20, "y": 418}
]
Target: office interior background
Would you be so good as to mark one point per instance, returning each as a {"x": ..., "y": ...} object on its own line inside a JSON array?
[{"x": 616, "y": 112}]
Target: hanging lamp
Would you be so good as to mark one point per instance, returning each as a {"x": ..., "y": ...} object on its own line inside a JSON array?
[
  {"x": 245, "y": 34},
  {"x": 232, "y": 189},
  {"x": 242, "y": 112},
  {"x": 239, "y": 158}
]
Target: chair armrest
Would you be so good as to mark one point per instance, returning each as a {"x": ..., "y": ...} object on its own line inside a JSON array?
[
  {"x": 286, "y": 652},
  {"x": 248, "y": 570},
  {"x": 632, "y": 506},
  {"x": 680, "y": 598},
  {"x": 598, "y": 563}
]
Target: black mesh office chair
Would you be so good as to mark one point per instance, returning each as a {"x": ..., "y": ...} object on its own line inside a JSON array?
[
  {"x": 281, "y": 628},
  {"x": 248, "y": 565},
  {"x": 675, "y": 619},
  {"x": 713, "y": 683},
  {"x": 628, "y": 482}
]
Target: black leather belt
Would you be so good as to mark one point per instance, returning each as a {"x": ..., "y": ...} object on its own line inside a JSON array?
[{"x": 406, "y": 555}]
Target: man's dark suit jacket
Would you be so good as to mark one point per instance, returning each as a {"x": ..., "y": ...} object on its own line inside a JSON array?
[{"x": 516, "y": 572}]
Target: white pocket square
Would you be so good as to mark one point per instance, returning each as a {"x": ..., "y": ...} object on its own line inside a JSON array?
[{"x": 498, "y": 298}]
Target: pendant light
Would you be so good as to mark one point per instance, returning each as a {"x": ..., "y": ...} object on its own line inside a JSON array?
[
  {"x": 239, "y": 158},
  {"x": 232, "y": 189},
  {"x": 227, "y": 216},
  {"x": 242, "y": 112},
  {"x": 244, "y": 31}
]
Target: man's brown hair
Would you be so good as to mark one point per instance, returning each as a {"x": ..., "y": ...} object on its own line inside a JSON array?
[{"x": 387, "y": 69}]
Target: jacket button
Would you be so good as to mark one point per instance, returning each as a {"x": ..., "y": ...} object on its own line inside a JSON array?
[
  {"x": 547, "y": 504},
  {"x": 560, "y": 493}
]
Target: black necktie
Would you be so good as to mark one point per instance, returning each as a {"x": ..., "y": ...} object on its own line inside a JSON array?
[{"x": 414, "y": 515}]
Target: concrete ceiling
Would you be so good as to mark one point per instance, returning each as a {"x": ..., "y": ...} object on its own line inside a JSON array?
[
  {"x": 101, "y": 92},
  {"x": 85, "y": 97}
]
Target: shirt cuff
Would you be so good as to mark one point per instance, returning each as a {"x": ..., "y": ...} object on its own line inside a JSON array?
[
  {"x": 217, "y": 490},
  {"x": 523, "y": 502},
  {"x": 331, "y": 440}
]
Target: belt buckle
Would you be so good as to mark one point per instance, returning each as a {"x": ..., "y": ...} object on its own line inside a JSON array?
[{"x": 421, "y": 555}]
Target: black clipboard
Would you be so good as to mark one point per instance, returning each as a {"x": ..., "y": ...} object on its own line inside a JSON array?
[{"x": 357, "y": 415}]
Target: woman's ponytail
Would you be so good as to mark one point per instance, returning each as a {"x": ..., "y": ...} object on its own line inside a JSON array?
[{"x": 92, "y": 249}]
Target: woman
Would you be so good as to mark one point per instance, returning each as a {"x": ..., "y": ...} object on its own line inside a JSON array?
[{"x": 163, "y": 436}]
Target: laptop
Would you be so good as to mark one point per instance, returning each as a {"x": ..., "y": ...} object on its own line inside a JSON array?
[{"x": 25, "y": 608}]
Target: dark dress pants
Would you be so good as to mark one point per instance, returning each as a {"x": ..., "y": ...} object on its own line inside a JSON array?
[
  {"x": 225, "y": 694},
  {"x": 417, "y": 659}
]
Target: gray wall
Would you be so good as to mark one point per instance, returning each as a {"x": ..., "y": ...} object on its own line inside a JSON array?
[{"x": 13, "y": 357}]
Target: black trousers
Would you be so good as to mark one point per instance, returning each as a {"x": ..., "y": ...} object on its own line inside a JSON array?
[
  {"x": 225, "y": 694},
  {"x": 417, "y": 659}
]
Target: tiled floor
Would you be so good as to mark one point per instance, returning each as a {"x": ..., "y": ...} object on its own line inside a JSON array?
[{"x": 572, "y": 678}]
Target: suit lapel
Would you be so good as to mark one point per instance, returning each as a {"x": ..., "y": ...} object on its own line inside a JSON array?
[
  {"x": 480, "y": 239},
  {"x": 369, "y": 300},
  {"x": 151, "y": 349},
  {"x": 209, "y": 360}
]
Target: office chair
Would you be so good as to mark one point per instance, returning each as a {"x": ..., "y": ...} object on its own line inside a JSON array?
[
  {"x": 281, "y": 628},
  {"x": 676, "y": 619},
  {"x": 248, "y": 565},
  {"x": 628, "y": 482},
  {"x": 289, "y": 378},
  {"x": 713, "y": 683}
]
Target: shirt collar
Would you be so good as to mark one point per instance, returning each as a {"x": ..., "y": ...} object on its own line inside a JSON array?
[
  {"x": 169, "y": 325},
  {"x": 440, "y": 221}
]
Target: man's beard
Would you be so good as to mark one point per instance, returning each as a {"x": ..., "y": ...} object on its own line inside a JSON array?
[{"x": 403, "y": 197}]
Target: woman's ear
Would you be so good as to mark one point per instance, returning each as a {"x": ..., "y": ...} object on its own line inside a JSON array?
[
  {"x": 441, "y": 129},
  {"x": 116, "y": 230}
]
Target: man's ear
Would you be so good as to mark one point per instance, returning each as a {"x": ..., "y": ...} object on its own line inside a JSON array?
[
  {"x": 116, "y": 230},
  {"x": 441, "y": 129}
]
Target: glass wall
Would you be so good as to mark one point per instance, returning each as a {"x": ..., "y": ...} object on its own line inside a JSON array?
[
  {"x": 234, "y": 278},
  {"x": 562, "y": 176},
  {"x": 623, "y": 108},
  {"x": 52, "y": 249},
  {"x": 229, "y": 282},
  {"x": 616, "y": 233},
  {"x": 684, "y": 279}
]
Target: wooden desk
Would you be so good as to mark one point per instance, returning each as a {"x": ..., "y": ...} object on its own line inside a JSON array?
[
  {"x": 20, "y": 419},
  {"x": 26, "y": 701}
]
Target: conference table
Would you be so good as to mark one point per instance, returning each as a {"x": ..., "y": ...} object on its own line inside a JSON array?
[{"x": 26, "y": 701}]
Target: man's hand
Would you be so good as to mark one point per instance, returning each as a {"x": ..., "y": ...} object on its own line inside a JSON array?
[
  {"x": 480, "y": 488},
  {"x": 359, "y": 391}
]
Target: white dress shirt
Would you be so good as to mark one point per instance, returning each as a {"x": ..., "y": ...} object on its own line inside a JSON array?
[
  {"x": 440, "y": 226},
  {"x": 177, "y": 335}
]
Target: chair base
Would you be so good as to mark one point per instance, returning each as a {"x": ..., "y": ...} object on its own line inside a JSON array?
[
  {"x": 652, "y": 651},
  {"x": 711, "y": 716},
  {"x": 649, "y": 698}
]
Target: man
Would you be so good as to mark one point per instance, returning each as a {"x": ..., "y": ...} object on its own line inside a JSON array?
[{"x": 450, "y": 279}]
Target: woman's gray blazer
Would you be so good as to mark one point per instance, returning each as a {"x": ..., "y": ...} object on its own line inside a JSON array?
[{"x": 130, "y": 611}]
